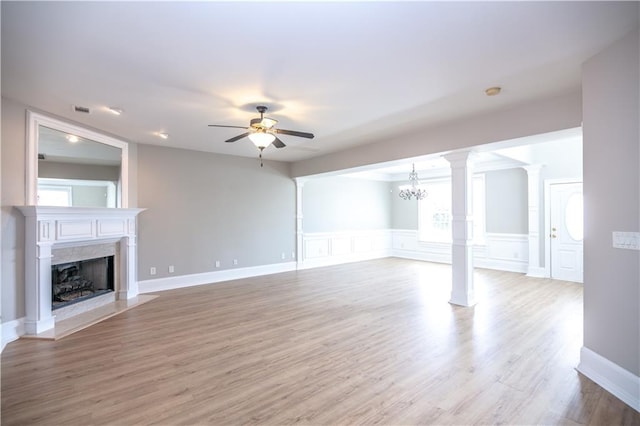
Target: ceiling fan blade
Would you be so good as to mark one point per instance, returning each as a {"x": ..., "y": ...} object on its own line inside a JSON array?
[
  {"x": 278, "y": 143},
  {"x": 232, "y": 127},
  {"x": 244, "y": 135},
  {"x": 294, "y": 133}
]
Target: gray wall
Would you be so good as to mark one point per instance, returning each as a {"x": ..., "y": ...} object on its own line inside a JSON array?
[
  {"x": 506, "y": 204},
  {"x": 612, "y": 202},
  {"x": 342, "y": 204},
  {"x": 89, "y": 196},
  {"x": 404, "y": 213},
  {"x": 507, "y": 211},
  {"x": 205, "y": 207},
  {"x": 53, "y": 169}
]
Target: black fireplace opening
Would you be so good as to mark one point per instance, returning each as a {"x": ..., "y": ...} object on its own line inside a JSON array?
[{"x": 74, "y": 282}]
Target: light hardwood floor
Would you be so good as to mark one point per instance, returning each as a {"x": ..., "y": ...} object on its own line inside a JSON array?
[{"x": 363, "y": 343}]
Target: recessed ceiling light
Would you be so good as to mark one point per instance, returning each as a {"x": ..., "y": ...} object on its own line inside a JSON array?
[
  {"x": 163, "y": 135},
  {"x": 115, "y": 110},
  {"x": 493, "y": 91},
  {"x": 72, "y": 138}
]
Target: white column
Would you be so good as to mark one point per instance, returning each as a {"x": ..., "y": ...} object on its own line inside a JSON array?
[
  {"x": 299, "y": 224},
  {"x": 535, "y": 268},
  {"x": 128, "y": 276},
  {"x": 462, "y": 289},
  {"x": 38, "y": 291}
]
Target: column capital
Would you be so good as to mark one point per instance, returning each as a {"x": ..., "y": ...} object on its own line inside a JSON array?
[
  {"x": 533, "y": 168},
  {"x": 459, "y": 157}
]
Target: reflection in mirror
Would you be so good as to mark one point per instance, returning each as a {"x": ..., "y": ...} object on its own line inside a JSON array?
[
  {"x": 70, "y": 166},
  {"x": 74, "y": 171}
]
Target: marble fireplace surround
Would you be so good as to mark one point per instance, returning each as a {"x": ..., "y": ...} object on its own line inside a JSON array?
[{"x": 49, "y": 228}]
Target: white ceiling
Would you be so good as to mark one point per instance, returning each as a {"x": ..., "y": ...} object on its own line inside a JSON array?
[{"x": 344, "y": 71}]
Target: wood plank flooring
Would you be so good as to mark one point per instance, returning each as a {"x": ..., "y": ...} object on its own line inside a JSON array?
[{"x": 367, "y": 343}]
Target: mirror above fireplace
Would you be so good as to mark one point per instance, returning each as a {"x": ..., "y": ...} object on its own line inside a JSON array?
[{"x": 71, "y": 166}]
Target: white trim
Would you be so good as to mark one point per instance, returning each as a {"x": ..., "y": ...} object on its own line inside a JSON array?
[
  {"x": 333, "y": 248},
  {"x": 503, "y": 252},
  {"x": 174, "y": 282},
  {"x": 536, "y": 272},
  {"x": 34, "y": 120},
  {"x": 11, "y": 331},
  {"x": 347, "y": 258},
  {"x": 500, "y": 265},
  {"x": 613, "y": 378}
]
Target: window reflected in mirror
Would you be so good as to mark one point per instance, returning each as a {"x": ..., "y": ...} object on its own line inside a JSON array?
[{"x": 76, "y": 172}]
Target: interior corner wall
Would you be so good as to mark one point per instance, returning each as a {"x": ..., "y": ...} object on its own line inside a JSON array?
[
  {"x": 13, "y": 194},
  {"x": 333, "y": 204},
  {"x": 612, "y": 202},
  {"x": 204, "y": 207}
]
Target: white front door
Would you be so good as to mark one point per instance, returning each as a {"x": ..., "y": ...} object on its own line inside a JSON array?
[{"x": 567, "y": 229}]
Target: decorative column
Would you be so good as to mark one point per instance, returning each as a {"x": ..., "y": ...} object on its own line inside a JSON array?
[
  {"x": 462, "y": 289},
  {"x": 299, "y": 217},
  {"x": 535, "y": 268},
  {"x": 39, "y": 317},
  {"x": 128, "y": 279}
]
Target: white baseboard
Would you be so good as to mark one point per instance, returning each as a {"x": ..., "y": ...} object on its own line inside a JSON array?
[
  {"x": 170, "y": 283},
  {"x": 11, "y": 330},
  {"x": 537, "y": 272},
  {"x": 339, "y": 260},
  {"x": 615, "y": 379},
  {"x": 501, "y": 265},
  {"x": 423, "y": 256}
]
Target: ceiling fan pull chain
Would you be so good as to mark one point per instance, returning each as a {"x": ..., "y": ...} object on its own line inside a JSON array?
[{"x": 261, "y": 149}]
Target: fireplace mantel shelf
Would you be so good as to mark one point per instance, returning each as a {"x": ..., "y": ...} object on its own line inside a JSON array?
[
  {"x": 47, "y": 228},
  {"x": 53, "y": 211}
]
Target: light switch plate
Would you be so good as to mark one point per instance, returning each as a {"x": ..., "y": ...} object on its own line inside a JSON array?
[{"x": 626, "y": 240}]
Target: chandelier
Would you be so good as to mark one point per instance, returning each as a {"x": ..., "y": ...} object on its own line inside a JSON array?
[{"x": 414, "y": 191}]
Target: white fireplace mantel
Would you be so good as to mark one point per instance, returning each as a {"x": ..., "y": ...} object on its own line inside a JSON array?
[{"x": 49, "y": 227}]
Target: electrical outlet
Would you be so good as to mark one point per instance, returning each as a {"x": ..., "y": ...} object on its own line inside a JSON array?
[
  {"x": 235, "y": 261},
  {"x": 293, "y": 254},
  {"x": 217, "y": 263},
  {"x": 152, "y": 270},
  {"x": 284, "y": 256},
  {"x": 171, "y": 269}
]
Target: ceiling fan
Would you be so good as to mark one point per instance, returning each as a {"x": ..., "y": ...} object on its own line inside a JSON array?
[{"x": 262, "y": 133}]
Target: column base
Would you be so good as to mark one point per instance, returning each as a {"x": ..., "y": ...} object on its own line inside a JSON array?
[
  {"x": 32, "y": 327},
  {"x": 467, "y": 302}
]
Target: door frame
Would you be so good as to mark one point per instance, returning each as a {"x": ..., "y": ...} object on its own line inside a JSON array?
[{"x": 547, "y": 218}]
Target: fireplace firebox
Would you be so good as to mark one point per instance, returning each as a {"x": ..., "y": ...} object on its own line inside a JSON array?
[{"x": 80, "y": 280}]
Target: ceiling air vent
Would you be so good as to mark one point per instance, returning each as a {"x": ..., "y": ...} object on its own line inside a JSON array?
[
  {"x": 84, "y": 110},
  {"x": 41, "y": 157}
]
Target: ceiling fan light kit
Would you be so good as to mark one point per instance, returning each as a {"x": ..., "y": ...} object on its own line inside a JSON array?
[
  {"x": 262, "y": 132},
  {"x": 262, "y": 138}
]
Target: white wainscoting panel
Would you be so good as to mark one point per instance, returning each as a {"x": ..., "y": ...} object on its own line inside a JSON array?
[
  {"x": 504, "y": 252},
  {"x": 332, "y": 248}
]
